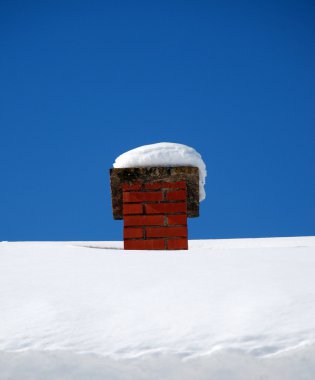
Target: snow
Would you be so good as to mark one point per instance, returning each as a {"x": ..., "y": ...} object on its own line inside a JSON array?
[
  {"x": 164, "y": 154},
  {"x": 225, "y": 309}
]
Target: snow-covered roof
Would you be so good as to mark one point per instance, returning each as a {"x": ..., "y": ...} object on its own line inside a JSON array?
[
  {"x": 164, "y": 154},
  {"x": 239, "y": 299}
]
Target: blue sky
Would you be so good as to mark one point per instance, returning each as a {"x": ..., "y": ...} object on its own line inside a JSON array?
[{"x": 83, "y": 81}]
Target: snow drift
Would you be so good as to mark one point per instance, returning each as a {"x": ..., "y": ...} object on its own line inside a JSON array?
[{"x": 164, "y": 154}]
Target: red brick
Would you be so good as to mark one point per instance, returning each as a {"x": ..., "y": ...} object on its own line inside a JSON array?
[
  {"x": 165, "y": 185},
  {"x": 144, "y": 244},
  {"x": 165, "y": 208},
  {"x": 177, "y": 244},
  {"x": 177, "y": 219},
  {"x": 144, "y": 220},
  {"x": 132, "y": 186},
  {"x": 142, "y": 196},
  {"x": 180, "y": 195},
  {"x": 131, "y": 232},
  {"x": 166, "y": 231},
  {"x": 132, "y": 209}
]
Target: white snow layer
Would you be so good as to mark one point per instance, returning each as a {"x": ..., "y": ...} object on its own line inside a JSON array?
[
  {"x": 164, "y": 154},
  {"x": 225, "y": 309}
]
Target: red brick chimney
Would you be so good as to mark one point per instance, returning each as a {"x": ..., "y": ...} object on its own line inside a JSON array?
[{"x": 154, "y": 204}]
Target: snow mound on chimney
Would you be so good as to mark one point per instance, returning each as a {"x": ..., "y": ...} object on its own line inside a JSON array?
[{"x": 164, "y": 154}]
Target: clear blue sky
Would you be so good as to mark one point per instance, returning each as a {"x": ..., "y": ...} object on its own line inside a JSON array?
[{"x": 84, "y": 81}]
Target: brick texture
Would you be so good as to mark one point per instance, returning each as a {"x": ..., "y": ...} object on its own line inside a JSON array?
[
  {"x": 129, "y": 209},
  {"x": 142, "y": 196},
  {"x": 133, "y": 233},
  {"x": 165, "y": 208},
  {"x": 153, "y": 179},
  {"x": 144, "y": 220},
  {"x": 156, "y": 244},
  {"x": 177, "y": 244},
  {"x": 176, "y": 220},
  {"x": 166, "y": 231},
  {"x": 176, "y": 195},
  {"x": 155, "y": 215}
]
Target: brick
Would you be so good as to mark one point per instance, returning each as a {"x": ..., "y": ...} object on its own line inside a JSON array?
[
  {"x": 165, "y": 185},
  {"x": 166, "y": 232},
  {"x": 179, "y": 195},
  {"x": 132, "y": 209},
  {"x": 177, "y": 219},
  {"x": 142, "y": 196},
  {"x": 145, "y": 220},
  {"x": 130, "y": 233},
  {"x": 177, "y": 244},
  {"x": 165, "y": 208},
  {"x": 132, "y": 186},
  {"x": 144, "y": 244}
]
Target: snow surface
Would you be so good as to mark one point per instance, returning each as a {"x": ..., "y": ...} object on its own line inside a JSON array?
[
  {"x": 164, "y": 154},
  {"x": 225, "y": 309}
]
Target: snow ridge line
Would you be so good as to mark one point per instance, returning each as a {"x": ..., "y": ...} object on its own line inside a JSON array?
[{"x": 272, "y": 242}]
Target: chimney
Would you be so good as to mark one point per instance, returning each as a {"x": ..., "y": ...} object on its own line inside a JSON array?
[{"x": 154, "y": 203}]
